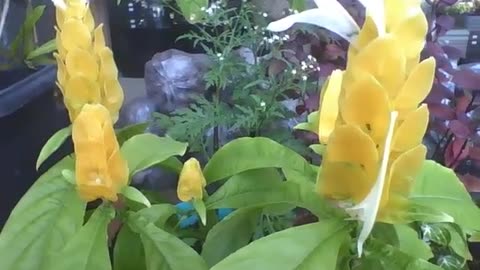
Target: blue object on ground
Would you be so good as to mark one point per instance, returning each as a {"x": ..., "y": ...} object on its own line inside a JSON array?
[{"x": 188, "y": 221}]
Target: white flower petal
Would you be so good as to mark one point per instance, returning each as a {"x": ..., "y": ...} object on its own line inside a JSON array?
[
  {"x": 376, "y": 10},
  {"x": 367, "y": 210},
  {"x": 331, "y": 16},
  {"x": 60, "y": 4}
]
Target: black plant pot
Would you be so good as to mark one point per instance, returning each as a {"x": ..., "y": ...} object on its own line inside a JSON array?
[
  {"x": 140, "y": 30},
  {"x": 30, "y": 114}
]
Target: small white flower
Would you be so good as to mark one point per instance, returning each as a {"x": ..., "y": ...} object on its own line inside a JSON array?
[
  {"x": 304, "y": 77},
  {"x": 294, "y": 71},
  {"x": 265, "y": 15},
  {"x": 263, "y": 104}
]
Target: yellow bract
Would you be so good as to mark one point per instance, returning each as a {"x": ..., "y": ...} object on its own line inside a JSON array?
[
  {"x": 371, "y": 120},
  {"x": 100, "y": 170},
  {"x": 191, "y": 182},
  {"x": 83, "y": 58}
]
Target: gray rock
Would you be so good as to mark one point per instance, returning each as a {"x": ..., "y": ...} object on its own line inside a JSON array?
[
  {"x": 174, "y": 77},
  {"x": 139, "y": 110}
]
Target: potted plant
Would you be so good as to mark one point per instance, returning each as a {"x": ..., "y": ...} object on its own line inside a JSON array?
[{"x": 29, "y": 113}]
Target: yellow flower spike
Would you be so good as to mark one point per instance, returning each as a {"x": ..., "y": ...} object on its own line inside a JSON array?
[
  {"x": 99, "y": 39},
  {"x": 411, "y": 33},
  {"x": 411, "y": 131},
  {"x": 81, "y": 62},
  {"x": 191, "y": 181},
  {"x": 329, "y": 105},
  {"x": 75, "y": 34},
  {"x": 367, "y": 209},
  {"x": 349, "y": 164},
  {"x": 411, "y": 64},
  {"x": 417, "y": 86},
  {"x": 100, "y": 170},
  {"x": 366, "y": 105}
]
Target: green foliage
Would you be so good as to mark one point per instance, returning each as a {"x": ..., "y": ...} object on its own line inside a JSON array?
[
  {"x": 42, "y": 223},
  {"x": 305, "y": 247},
  {"x": 147, "y": 150},
  {"x": 243, "y": 99},
  {"x": 53, "y": 144},
  {"x": 23, "y": 50}
]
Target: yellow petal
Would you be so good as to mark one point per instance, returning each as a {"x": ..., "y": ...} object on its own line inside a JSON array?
[
  {"x": 367, "y": 34},
  {"x": 82, "y": 63},
  {"x": 366, "y": 105},
  {"x": 350, "y": 162},
  {"x": 191, "y": 181},
  {"x": 397, "y": 11},
  {"x": 61, "y": 50},
  {"x": 329, "y": 105},
  {"x": 411, "y": 131},
  {"x": 383, "y": 59},
  {"x": 113, "y": 97},
  {"x": 80, "y": 91},
  {"x": 411, "y": 32},
  {"x": 61, "y": 70},
  {"x": 403, "y": 172},
  {"x": 75, "y": 34},
  {"x": 417, "y": 86},
  {"x": 411, "y": 64},
  {"x": 60, "y": 17},
  {"x": 76, "y": 9},
  {"x": 98, "y": 39},
  {"x": 107, "y": 64},
  {"x": 89, "y": 20}
]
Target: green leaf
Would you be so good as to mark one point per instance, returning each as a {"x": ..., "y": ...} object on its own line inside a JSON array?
[
  {"x": 146, "y": 150},
  {"x": 440, "y": 189},
  {"x": 311, "y": 124},
  {"x": 230, "y": 234},
  {"x": 24, "y": 38},
  {"x": 411, "y": 244},
  {"x": 393, "y": 258},
  {"x": 46, "y": 48},
  {"x": 192, "y": 9},
  {"x": 253, "y": 153},
  {"x": 46, "y": 217},
  {"x": 319, "y": 149},
  {"x": 296, "y": 176},
  {"x": 458, "y": 241},
  {"x": 259, "y": 188},
  {"x": 88, "y": 249},
  {"x": 53, "y": 144},
  {"x": 164, "y": 251},
  {"x": 201, "y": 210},
  {"x": 298, "y": 5},
  {"x": 450, "y": 262},
  {"x": 135, "y": 195},
  {"x": 437, "y": 233},
  {"x": 130, "y": 131},
  {"x": 158, "y": 214},
  {"x": 312, "y": 246},
  {"x": 128, "y": 253}
]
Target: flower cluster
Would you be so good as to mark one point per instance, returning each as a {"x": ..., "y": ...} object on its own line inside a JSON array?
[
  {"x": 88, "y": 78},
  {"x": 87, "y": 73},
  {"x": 370, "y": 116}
]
